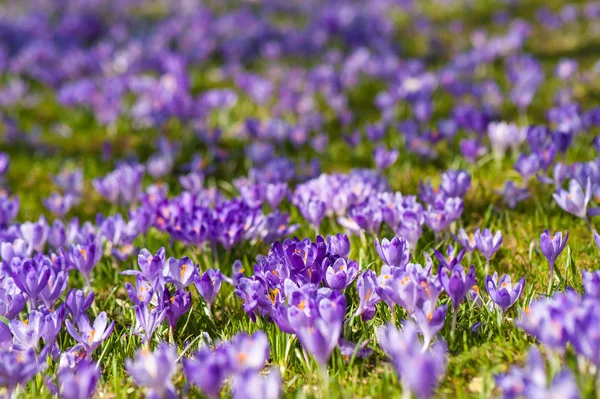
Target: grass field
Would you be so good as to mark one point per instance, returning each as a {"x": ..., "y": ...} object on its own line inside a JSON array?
[{"x": 49, "y": 136}]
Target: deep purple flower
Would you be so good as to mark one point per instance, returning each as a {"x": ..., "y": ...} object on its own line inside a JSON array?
[
  {"x": 151, "y": 266},
  {"x": 176, "y": 305},
  {"x": 349, "y": 349},
  {"x": 208, "y": 285},
  {"x": 384, "y": 158},
  {"x": 455, "y": 183},
  {"x": 11, "y": 303},
  {"x": 366, "y": 285},
  {"x": 339, "y": 245},
  {"x": 512, "y": 195},
  {"x": 419, "y": 370},
  {"x": 471, "y": 150},
  {"x": 394, "y": 252},
  {"x": 30, "y": 280},
  {"x": 341, "y": 274},
  {"x": 9, "y": 207},
  {"x": 17, "y": 368},
  {"x": 85, "y": 256},
  {"x": 313, "y": 211},
  {"x": 503, "y": 293},
  {"x": 80, "y": 381},
  {"x": 320, "y": 336},
  {"x": 154, "y": 370},
  {"x": 181, "y": 272},
  {"x": 487, "y": 243},
  {"x": 591, "y": 284},
  {"x": 552, "y": 246},
  {"x": 77, "y": 303},
  {"x": 90, "y": 336},
  {"x": 457, "y": 283},
  {"x": 208, "y": 369},
  {"x": 527, "y": 165},
  {"x": 142, "y": 292},
  {"x": 4, "y": 163},
  {"x": 148, "y": 320}
]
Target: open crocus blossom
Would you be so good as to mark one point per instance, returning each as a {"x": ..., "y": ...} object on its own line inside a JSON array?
[
  {"x": 154, "y": 370},
  {"x": 394, "y": 252},
  {"x": 502, "y": 292},
  {"x": 575, "y": 200},
  {"x": 90, "y": 335}
]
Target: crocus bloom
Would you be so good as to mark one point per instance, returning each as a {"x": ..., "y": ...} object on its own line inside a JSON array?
[
  {"x": 154, "y": 370},
  {"x": 430, "y": 320},
  {"x": 30, "y": 280},
  {"x": 487, "y": 243},
  {"x": 148, "y": 320},
  {"x": 512, "y": 195},
  {"x": 366, "y": 285},
  {"x": 394, "y": 252},
  {"x": 248, "y": 353},
  {"x": 208, "y": 369},
  {"x": 80, "y": 381},
  {"x": 419, "y": 370},
  {"x": 27, "y": 334},
  {"x": 151, "y": 266},
  {"x": 575, "y": 200},
  {"x": 17, "y": 368},
  {"x": 456, "y": 286},
  {"x": 339, "y": 245},
  {"x": 341, "y": 274},
  {"x": 503, "y": 293},
  {"x": 90, "y": 336},
  {"x": 253, "y": 385},
  {"x": 176, "y": 305},
  {"x": 142, "y": 292},
  {"x": 531, "y": 382},
  {"x": 552, "y": 246},
  {"x": 35, "y": 234},
  {"x": 591, "y": 284},
  {"x": 85, "y": 256},
  {"x": 78, "y": 302},
  {"x": 455, "y": 183},
  {"x": 467, "y": 241},
  {"x": 384, "y": 158},
  {"x": 181, "y": 272},
  {"x": 208, "y": 285}
]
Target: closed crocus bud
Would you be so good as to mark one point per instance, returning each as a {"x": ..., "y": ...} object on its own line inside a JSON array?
[
  {"x": 394, "y": 252},
  {"x": 208, "y": 285},
  {"x": 339, "y": 245},
  {"x": 552, "y": 245}
]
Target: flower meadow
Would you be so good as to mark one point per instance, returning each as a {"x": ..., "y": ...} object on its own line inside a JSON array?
[{"x": 300, "y": 199}]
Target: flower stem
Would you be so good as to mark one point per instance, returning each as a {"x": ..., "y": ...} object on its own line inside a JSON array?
[
  {"x": 324, "y": 379},
  {"x": 454, "y": 316},
  {"x": 549, "y": 290}
]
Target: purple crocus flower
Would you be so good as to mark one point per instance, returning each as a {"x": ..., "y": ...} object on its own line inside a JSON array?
[
  {"x": 341, "y": 274},
  {"x": 17, "y": 368},
  {"x": 154, "y": 370},
  {"x": 430, "y": 320},
  {"x": 512, "y": 195},
  {"x": 85, "y": 256},
  {"x": 30, "y": 280},
  {"x": 531, "y": 382},
  {"x": 366, "y": 285},
  {"x": 142, "y": 292},
  {"x": 487, "y": 243},
  {"x": 455, "y": 183},
  {"x": 208, "y": 285},
  {"x": 349, "y": 349},
  {"x": 80, "y": 381},
  {"x": 442, "y": 213},
  {"x": 451, "y": 258},
  {"x": 552, "y": 246},
  {"x": 275, "y": 193},
  {"x": 575, "y": 200},
  {"x": 57, "y": 284},
  {"x": 59, "y": 204},
  {"x": 176, "y": 305},
  {"x": 467, "y": 241},
  {"x": 394, "y": 252},
  {"x": 208, "y": 369},
  {"x": 527, "y": 165},
  {"x": 90, "y": 336},
  {"x": 11, "y": 303},
  {"x": 384, "y": 158},
  {"x": 148, "y": 320},
  {"x": 503, "y": 293},
  {"x": 181, "y": 272},
  {"x": 456, "y": 285},
  {"x": 591, "y": 284},
  {"x": 339, "y": 245},
  {"x": 4, "y": 163},
  {"x": 35, "y": 234},
  {"x": 471, "y": 150},
  {"x": 248, "y": 352},
  {"x": 253, "y": 385},
  {"x": 419, "y": 370},
  {"x": 313, "y": 211},
  {"x": 320, "y": 336},
  {"x": 151, "y": 266},
  {"x": 77, "y": 302},
  {"x": 27, "y": 334},
  {"x": 9, "y": 207}
]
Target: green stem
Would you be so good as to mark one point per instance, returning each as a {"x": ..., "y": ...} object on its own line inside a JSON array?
[{"x": 454, "y": 316}]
